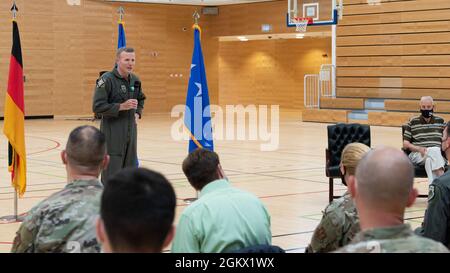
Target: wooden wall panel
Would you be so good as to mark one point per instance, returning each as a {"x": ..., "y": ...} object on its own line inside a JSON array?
[
  {"x": 395, "y": 50},
  {"x": 65, "y": 47},
  {"x": 397, "y": 61},
  {"x": 389, "y": 118},
  {"x": 394, "y": 82},
  {"x": 341, "y": 103},
  {"x": 413, "y": 105},
  {"x": 269, "y": 72},
  {"x": 246, "y": 19},
  {"x": 394, "y": 72},
  {"x": 415, "y": 27},
  {"x": 386, "y": 6},
  {"x": 398, "y": 39},
  {"x": 394, "y": 118},
  {"x": 392, "y": 93},
  {"x": 399, "y": 49},
  {"x": 394, "y": 17},
  {"x": 327, "y": 115}
]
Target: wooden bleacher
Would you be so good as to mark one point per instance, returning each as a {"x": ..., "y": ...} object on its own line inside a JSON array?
[
  {"x": 413, "y": 105},
  {"x": 342, "y": 103},
  {"x": 387, "y": 57},
  {"x": 395, "y": 112}
]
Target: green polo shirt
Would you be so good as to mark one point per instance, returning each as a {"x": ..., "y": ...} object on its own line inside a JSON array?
[{"x": 223, "y": 219}]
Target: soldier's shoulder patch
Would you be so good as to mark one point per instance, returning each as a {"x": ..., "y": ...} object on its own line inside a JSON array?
[
  {"x": 431, "y": 193},
  {"x": 321, "y": 233},
  {"x": 100, "y": 82}
]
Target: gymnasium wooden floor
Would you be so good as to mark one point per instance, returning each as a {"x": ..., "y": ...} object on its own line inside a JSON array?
[{"x": 290, "y": 181}]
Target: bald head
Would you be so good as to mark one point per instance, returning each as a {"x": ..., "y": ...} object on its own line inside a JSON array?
[
  {"x": 86, "y": 148},
  {"x": 385, "y": 178}
]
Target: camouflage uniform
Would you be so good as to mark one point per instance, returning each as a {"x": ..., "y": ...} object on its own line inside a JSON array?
[
  {"x": 339, "y": 224},
  {"x": 64, "y": 222},
  {"x": 396, "y": 239}
]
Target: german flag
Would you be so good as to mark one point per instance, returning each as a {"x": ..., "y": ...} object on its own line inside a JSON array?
[{"x": 14, "y": 124}]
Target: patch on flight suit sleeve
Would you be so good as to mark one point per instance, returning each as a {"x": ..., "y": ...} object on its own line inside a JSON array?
[
  {"x": 100, "y": 82},
  {"x": 431, "y": 193}
]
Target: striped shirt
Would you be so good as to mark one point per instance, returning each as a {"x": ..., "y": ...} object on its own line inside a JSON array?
[{"x": 420, "y": 133}]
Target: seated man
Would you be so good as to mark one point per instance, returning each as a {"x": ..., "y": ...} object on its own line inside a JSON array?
[
  {"x": 436, "y": 224},
  {"x": 65, "y": 221},
  {"x": 224, "y": 218},
  {"x": 137, "y": 212},
  {"x": 382, "y": 189},
  {"x": 340, "y": 221},
  {"x": 423, "y": 138}
]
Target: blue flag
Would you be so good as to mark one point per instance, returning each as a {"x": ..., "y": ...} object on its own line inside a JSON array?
[
  {"x": 198, "y": 114},
  {"x": 122, "y": 41}
]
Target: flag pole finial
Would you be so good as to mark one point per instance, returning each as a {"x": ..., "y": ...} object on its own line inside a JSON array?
[
  {"x": 121, "y": 12},
  {"x": 196, "y": 17},
  {"x": 14, "y": 10}
]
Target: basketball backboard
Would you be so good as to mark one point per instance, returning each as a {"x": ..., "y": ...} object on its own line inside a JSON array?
[{"x": 322, "y": 12}]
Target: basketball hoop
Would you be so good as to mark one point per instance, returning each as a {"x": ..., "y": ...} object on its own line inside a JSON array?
[{"x": 301, "y": 23}]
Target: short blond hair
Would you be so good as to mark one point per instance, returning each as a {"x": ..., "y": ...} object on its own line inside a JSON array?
[
  {"x": 351, "y": 155},
  {"x": 124, "y": 49}
]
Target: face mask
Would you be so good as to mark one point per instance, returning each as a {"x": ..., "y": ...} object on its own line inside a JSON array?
[
  {"x": 427, "y": 113},
  {"x": 443, "y": 150},
  {"x": 343, "y": 179}
]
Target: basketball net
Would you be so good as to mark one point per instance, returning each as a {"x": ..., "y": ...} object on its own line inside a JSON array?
[{"x": 301, "y": 24}]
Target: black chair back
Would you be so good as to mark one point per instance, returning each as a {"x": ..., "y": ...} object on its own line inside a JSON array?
[{"x": 339, "y": 136}]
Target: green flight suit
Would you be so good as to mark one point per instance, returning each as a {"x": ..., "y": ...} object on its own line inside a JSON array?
[{"x": 119, "y": 127}]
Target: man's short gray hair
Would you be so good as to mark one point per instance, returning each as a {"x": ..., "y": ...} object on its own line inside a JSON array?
[{"x": 426, "y": 98}]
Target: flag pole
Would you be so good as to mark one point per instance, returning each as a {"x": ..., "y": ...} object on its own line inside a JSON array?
[
  {"x": 196, "y": 16},
  {"x": 15, "y": 217},
  {"x": 16, "y": 203}
]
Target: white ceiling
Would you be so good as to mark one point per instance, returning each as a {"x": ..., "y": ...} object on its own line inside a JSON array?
[{"x": 195, "y": 2}]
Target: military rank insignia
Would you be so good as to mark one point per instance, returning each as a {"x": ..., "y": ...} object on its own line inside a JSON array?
[
  {"x": 100, "y": 82},
  {"x": 431, "y": 193}
]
